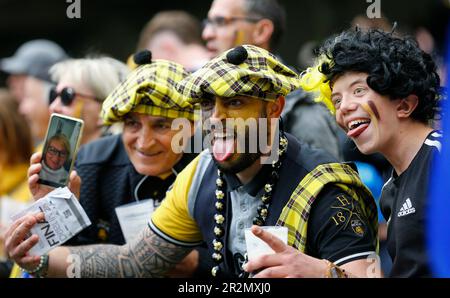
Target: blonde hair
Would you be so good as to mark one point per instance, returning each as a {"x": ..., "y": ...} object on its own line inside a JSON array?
[{"x": 101, "y": 75}]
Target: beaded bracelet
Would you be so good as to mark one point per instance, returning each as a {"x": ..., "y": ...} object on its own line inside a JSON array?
[{"x": 43, "y": 263}]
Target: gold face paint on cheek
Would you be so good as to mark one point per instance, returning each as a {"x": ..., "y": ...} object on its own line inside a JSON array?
[
  {"x": 78, "y": 111},
  {"x": 373, "y": 114},
  {"x": 238, "y": 37}
]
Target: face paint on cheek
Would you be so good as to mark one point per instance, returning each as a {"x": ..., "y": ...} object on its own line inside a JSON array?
[
  {"x": 238, "y": 37},
  {"x": 372, "y": 110},
  {"x": 78, "y": 111}
]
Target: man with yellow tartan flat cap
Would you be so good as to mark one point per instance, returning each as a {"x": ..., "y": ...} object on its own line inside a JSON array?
[
  {"x": 329, "y": 213},
  {"x": 139, "y": 163},
  {"x": 246, "y": 71}
]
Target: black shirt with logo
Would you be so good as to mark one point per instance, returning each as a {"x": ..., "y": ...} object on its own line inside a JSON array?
[
  {"x": 404, "y": 205},
  {"x": 338, "y": 230}
]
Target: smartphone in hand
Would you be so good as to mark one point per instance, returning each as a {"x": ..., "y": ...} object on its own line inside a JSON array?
[{"x": 60, "y": 148}]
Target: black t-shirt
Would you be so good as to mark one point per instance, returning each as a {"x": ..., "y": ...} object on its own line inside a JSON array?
[
  {"x": 403, "y": 204},
  {"x": 338, "y": 230}
]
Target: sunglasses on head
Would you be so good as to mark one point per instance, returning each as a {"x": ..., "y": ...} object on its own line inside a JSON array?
[{"x": 67, "y": 96}]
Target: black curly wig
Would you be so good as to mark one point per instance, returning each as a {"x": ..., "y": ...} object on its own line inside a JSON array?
[{"x": 396, "y": 66}]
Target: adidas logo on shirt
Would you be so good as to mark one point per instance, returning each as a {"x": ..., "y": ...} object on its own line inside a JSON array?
[{"x": 406, "y": 209}]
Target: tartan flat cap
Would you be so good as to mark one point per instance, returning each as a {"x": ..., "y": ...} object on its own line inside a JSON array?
[
  {"x": 245, "y": 70},
  {"x": 149, "y": 89}
]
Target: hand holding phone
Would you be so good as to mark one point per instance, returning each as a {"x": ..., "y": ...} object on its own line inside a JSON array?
[{"x": 60, "y": 148}]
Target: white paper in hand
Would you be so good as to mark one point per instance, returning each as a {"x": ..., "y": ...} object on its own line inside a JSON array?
[
  {"x": 256, "y": 247},
  {"x": 64, "y": 218},
  {"x": 134, "y": 217}
]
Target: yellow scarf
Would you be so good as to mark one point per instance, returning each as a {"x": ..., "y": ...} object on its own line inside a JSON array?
[{"x": 296, "y": 212}]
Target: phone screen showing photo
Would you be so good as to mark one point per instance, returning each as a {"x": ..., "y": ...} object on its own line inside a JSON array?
[{"x": 61, "y": 144}]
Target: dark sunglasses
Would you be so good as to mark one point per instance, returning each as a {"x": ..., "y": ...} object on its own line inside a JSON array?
[{"x": 67, "y": 95}]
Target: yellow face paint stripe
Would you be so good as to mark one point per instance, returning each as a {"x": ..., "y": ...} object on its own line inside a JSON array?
[
  {"x": 79, "y": 104},
  {"x": 239, "y": 38},
  {"x": 371, "y": 113}
]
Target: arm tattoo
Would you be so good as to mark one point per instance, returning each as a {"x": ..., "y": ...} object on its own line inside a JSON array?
[{"x": 148, "y": 255}]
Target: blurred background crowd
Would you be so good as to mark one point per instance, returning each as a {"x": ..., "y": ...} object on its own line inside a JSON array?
[{"x": 113, "y": 27}]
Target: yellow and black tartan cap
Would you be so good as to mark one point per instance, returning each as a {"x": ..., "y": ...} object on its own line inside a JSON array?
[
  {"x": 245, "y": 70},
  {"x": 149, "y": 89}
]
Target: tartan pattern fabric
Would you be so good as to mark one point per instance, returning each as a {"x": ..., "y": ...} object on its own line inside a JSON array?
[
  {"x": 149, "y": 89},
  {"x": 296, "y": 212},
  {"x": 261, "y": 75}
]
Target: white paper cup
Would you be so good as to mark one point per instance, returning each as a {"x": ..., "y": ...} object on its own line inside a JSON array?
[{"x": 256, "y": 247}]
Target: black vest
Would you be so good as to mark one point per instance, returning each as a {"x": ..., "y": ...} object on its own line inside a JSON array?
[{"x": 299, "y": 161}]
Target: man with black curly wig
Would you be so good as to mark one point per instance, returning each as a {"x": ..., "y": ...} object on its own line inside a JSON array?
[{"x": 384, "y": 92}]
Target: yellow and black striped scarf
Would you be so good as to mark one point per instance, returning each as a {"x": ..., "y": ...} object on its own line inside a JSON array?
[{"x": 296, "y": 212}]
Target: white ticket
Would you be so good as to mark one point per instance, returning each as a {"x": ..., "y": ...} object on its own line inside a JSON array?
[
  {"x": 256, "y": 247},
  {"x": 64, "y": 218}
]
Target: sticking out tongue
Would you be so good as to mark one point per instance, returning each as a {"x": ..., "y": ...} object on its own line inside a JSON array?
[
  {"x": 223, "y": 148},
  {"x": 357, "y": 131}
]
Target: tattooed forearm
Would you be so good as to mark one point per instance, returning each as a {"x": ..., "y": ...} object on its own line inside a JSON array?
[{"x": 148, "y": 256}]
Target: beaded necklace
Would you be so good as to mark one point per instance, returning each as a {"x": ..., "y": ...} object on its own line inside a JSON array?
[{"x": 263, "y": 212}]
